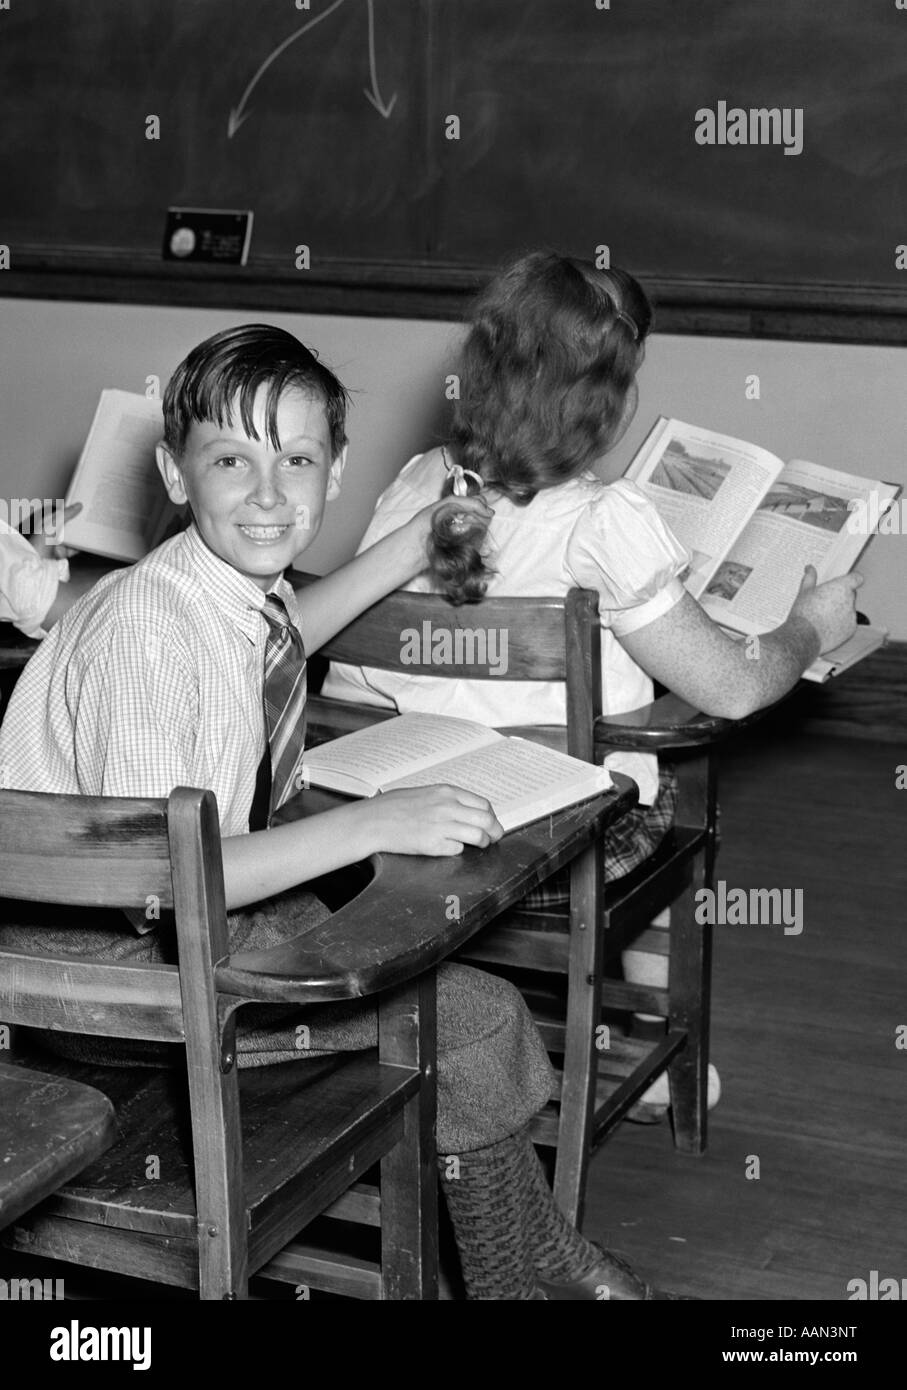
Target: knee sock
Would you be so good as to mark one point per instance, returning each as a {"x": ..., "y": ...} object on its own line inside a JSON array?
[
  {"x": 507, "y": 1224},
  {"x": 557, "y": 1250},
  {"x": 487, "y": 1196},
  {"x": 650, "y": 967}
]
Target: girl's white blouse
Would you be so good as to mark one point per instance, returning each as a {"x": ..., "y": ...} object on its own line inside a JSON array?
[{"x": 584, "y": 532}]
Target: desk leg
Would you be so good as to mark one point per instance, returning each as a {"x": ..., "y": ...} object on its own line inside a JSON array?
[{"x": 409, "y": 1178}]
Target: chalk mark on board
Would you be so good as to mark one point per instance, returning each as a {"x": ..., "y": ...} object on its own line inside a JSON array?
[
  {"x": 374, "y": 96},
  {"x": 239, "y": 114}
]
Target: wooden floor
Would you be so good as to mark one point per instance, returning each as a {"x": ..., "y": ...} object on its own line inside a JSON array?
[{"x": 804, "y": 1037}]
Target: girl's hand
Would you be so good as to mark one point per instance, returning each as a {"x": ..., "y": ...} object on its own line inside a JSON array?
[
  {"x": 429, "y": 820},
  {"x": 829, "y": 608},
  {"x": 45, "y": 542}
]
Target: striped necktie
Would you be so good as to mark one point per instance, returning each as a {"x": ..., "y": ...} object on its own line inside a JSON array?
[{"x": 284, "y": 695}]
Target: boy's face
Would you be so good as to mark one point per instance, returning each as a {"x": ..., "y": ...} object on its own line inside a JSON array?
[{"x": 256, "y": 507}]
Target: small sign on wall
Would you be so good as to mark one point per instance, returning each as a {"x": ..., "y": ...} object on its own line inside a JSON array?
[{"x": 207, "y": 234}]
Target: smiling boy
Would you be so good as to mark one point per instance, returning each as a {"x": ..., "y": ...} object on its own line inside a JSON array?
[{"x": 155, "y": 679}]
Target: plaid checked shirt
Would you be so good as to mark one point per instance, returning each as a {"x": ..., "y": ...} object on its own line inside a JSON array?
[{"x": 153, "y": 680}]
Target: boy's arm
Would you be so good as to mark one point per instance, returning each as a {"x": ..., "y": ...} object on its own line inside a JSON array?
[
  {"x": 435, "y": 821},
  {"x": 134, "y": 734},
  {"x": 329, "y": 604}
]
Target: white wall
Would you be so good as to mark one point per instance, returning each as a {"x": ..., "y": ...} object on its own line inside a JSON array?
[{"x": 839, "y": 405}]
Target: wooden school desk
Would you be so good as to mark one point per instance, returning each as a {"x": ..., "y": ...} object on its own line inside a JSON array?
[{"x": 50, "y": 1128}]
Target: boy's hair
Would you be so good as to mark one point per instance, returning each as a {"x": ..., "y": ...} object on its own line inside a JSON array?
[
  {"x": 237, "y": 362},
  {"x": 545, "y": 371}
]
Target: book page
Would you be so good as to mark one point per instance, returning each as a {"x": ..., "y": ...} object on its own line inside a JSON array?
[
  {"x": 124, "y": 502},
  {"x": 521, "y": 779},
  {"x": 706, "y": 486},
  {"x": 363, "y": 762},
  {"x": 809, "y": 516}
]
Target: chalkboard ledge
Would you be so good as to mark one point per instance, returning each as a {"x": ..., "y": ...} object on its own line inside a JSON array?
[{"x": 434, "y": 290}]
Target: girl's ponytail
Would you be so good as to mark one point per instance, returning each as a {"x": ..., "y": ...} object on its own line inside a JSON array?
[{"x": 456, "y": 560}]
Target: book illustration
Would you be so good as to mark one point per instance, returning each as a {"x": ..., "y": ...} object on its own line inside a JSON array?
[
  {"x": 728, "y": 579},
  {"x": 700, "y": 474},
  {"x": 825, "y": 510}
]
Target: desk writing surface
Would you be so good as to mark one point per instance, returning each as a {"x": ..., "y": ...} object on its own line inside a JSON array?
[{"x": 417, "y": 909}]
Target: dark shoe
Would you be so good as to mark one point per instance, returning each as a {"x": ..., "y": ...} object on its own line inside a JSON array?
[{"x": 611, "y": 1280}]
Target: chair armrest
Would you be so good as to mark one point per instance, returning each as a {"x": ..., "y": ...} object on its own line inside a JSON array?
[
  {"x": 416, "y": 910},
  {"x": 669, "y": 723}
]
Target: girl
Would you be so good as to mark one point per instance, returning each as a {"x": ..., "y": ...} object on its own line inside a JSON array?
[{"x": 547, "y": 386}]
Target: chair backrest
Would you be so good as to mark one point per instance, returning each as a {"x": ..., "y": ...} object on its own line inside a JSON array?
[
  {"x": 136, "y": 853},
  {"x": 547, "y": 639},
  {"x": 153, "y": 855}
]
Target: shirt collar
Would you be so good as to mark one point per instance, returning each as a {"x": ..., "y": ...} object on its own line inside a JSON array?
[{"x": 238, "y": 597}]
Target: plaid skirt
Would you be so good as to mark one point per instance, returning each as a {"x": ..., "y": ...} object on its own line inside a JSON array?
[{"x": 628, "y": 844}]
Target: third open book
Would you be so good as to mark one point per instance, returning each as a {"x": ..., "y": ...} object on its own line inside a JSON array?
[{"x": 752, "y": 523}]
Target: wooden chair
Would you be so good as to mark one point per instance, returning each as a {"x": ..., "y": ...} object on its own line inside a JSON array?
[
  {"x": 557, "y": 639},
  {"x": 215, "y": 1172},
  {"x": 243, "y": 1163}
]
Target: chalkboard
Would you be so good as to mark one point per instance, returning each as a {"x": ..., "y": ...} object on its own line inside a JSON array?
[{"x": 412, "y": 145}]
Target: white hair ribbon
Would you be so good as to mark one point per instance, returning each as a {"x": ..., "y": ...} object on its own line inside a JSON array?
[{"x": 460, "y": 474}]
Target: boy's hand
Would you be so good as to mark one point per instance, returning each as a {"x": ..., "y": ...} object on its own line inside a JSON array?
[
  {"x": 45, "y": 543},
  {"x": 466, "y": 514},
  {"x": 430, "y": 820},
  {"x": 830, "y": 608}
]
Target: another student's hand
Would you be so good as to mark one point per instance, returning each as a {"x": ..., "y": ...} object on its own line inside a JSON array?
[
  {"x": 44, "y": 542},
  {"x": 430, "y": 820},
  {"x": 830, "y": 608}
]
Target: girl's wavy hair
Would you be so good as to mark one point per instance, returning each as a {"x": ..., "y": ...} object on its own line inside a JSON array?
[{"x": 545, "y": 371}]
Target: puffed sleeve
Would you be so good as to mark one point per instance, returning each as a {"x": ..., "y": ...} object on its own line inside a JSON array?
[{"x": 621, "y": 547}]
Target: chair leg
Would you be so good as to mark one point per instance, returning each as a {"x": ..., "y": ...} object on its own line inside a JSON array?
[
  {"x": 690, "y": 1004},
  {"x": 584, "y": 988},
  {"x": 409, "y": 1177}
]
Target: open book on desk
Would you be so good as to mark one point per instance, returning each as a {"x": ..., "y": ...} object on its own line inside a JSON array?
[
  {"x": 522, "y": 780},
  {"x": 125, "y": 508},
  {"x": 751, "y": 524}
]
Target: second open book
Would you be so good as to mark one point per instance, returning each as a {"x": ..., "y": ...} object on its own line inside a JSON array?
[
  {"x": 521, "y": 779},
  {"x": 125, "y": 509},
  {"x": 751, "y": 524}
]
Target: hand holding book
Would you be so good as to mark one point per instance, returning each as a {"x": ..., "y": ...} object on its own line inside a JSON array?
[
  {"x": 829, "y": 608},
  {"x": 751, "y": 525}
]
